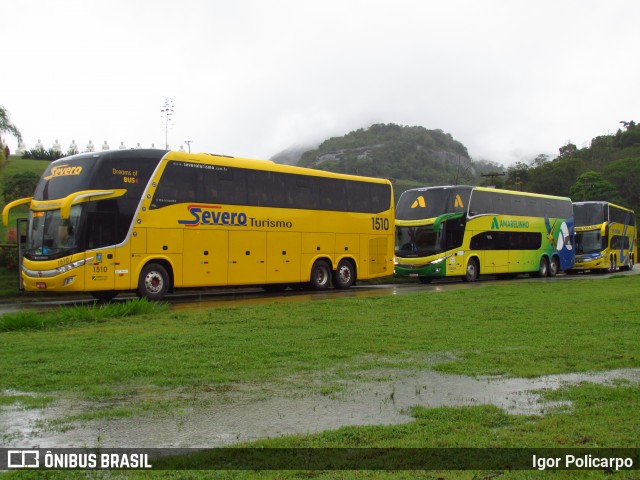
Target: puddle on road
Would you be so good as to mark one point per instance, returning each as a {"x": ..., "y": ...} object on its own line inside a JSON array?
[{"x": 231, "y": 414}]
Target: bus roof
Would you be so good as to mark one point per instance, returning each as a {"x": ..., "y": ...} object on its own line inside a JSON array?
[
  {"x": 603, "y": 202},
  {"x": 497, "y": 190},
  {"x": 228, "y": 161}
]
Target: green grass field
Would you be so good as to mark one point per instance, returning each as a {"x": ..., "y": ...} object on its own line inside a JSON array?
[{"x": 523, "y": 329}]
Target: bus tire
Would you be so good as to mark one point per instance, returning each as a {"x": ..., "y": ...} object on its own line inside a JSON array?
[
  {"x": 153, "y": 283},
  {"x": 320, "y": 275},
  {"x": 473, "y": 270},
  {"x": 543, "y": 269},
  {"x": 631, "y": 262},
  {"x": 104, "y": 295},
  {"x": 345, "y": 275},
  {"x": 554, "y": 266}
]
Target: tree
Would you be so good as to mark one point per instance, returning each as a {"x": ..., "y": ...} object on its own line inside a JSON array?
[
  {"x": 20, "y": 185},
  {"x": 625, "y": 176},
  {"x": 540, "y": 160},
  {"x": 593, "y": 186},
  {"x": 6, "y": 126},
  {"x": 568, "y": 150},
  {"x": 517, "y": 175}
]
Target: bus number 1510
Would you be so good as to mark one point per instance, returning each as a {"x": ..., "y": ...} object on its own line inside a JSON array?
[{"x": 378, "y": 223}]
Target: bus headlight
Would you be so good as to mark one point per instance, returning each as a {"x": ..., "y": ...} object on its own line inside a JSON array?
[
  {"x": 71, "y": 266},
  {"x": 439, "y": 260}
]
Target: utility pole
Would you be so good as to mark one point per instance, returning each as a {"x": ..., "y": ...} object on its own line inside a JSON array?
[
  {"x": 188, "y": 142},
  {"x": 166, "y": 113},
  {"x": 493, "y": 176}
]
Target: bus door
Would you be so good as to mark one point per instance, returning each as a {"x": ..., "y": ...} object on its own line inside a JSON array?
[
  {"x": 22, "y": 229},
  {"x": 100, "y": 256}
]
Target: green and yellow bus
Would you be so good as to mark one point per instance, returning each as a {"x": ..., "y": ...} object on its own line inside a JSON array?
[
  {"x": 153, "y": 220},
  {"x": 462, "y": 231},
  {"x": 606, "y": 237}
]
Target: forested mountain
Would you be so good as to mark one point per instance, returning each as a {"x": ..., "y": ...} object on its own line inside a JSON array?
[
  {"x": 429, "y": 157},
  {"x": 609, "y": 169}
]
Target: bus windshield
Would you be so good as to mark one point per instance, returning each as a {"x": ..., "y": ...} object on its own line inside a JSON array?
[
  {"x": 429, "y": 203},
  {"x": 417, "y": 241},
  {"x": 50, "y": 236},
  {"x": 589, "y": 242},
  {"x": 586, "y": 214}
]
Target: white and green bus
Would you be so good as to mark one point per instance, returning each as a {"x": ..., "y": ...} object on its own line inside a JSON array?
[{"x": 463, "y": 231}]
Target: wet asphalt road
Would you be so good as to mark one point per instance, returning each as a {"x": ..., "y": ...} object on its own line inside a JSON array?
[{"x": 224, "y": 297}]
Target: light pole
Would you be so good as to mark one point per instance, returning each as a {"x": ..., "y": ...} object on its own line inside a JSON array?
[
  {"x": 188, "y": 142},
  {"x": 167, "y": 113}
]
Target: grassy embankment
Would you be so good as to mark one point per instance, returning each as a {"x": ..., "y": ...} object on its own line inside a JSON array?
[{"x": 525, "y": 329}]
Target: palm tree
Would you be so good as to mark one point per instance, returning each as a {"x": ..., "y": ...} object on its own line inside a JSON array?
[{"x": 6, "y": 126}]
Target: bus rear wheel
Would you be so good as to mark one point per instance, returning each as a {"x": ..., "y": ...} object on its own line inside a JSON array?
[
  {"x": 320, "y": 275},
  {"x": 543, "y": 269},
  {"x": 554, "y": 267},
  {"x": 153, "y": 283},
  {"x": 472, "y": 271},
  {"x": 345, "y": 275}
]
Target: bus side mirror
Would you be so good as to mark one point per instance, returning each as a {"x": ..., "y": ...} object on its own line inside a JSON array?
[{"x": 603, "y": 230}]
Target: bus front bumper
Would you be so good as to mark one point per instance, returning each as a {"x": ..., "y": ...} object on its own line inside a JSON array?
[
  {"x": 60, "y": 283},
  {"x": 590, "y": 263},
  {"x": 431, "y": 270},
  {"x": 68, "y": 277}
]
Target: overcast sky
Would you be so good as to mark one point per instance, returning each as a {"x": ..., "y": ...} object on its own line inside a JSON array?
[{"x": 509, "y": 79}]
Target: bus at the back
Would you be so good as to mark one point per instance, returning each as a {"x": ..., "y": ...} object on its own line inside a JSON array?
[{"x": 606, "y": 237}]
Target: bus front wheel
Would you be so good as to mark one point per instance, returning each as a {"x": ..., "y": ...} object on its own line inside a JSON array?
[
  {"x": 320, "y": 275},
  {"x": 345, "y": 275},
  {"x": 154, "y": 282},
  {"x": 472, "y": 271}
]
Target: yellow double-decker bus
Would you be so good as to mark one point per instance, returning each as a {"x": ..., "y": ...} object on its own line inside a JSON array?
[
  {"x": 606, "y": 237},
  {"x": 462, "y": 231},
  {"x": 154, "y": 220}
]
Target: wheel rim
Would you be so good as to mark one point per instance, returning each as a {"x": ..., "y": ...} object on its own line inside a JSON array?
[
  {"x": 344, "y": 274},
  {"x": 322, "y": 276},
  {"x": 153, "y": 282},
  {"x": 554, "y": 268},
  {"x": 543, "y": 268},
  {"x": 471, "y": 270}
]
